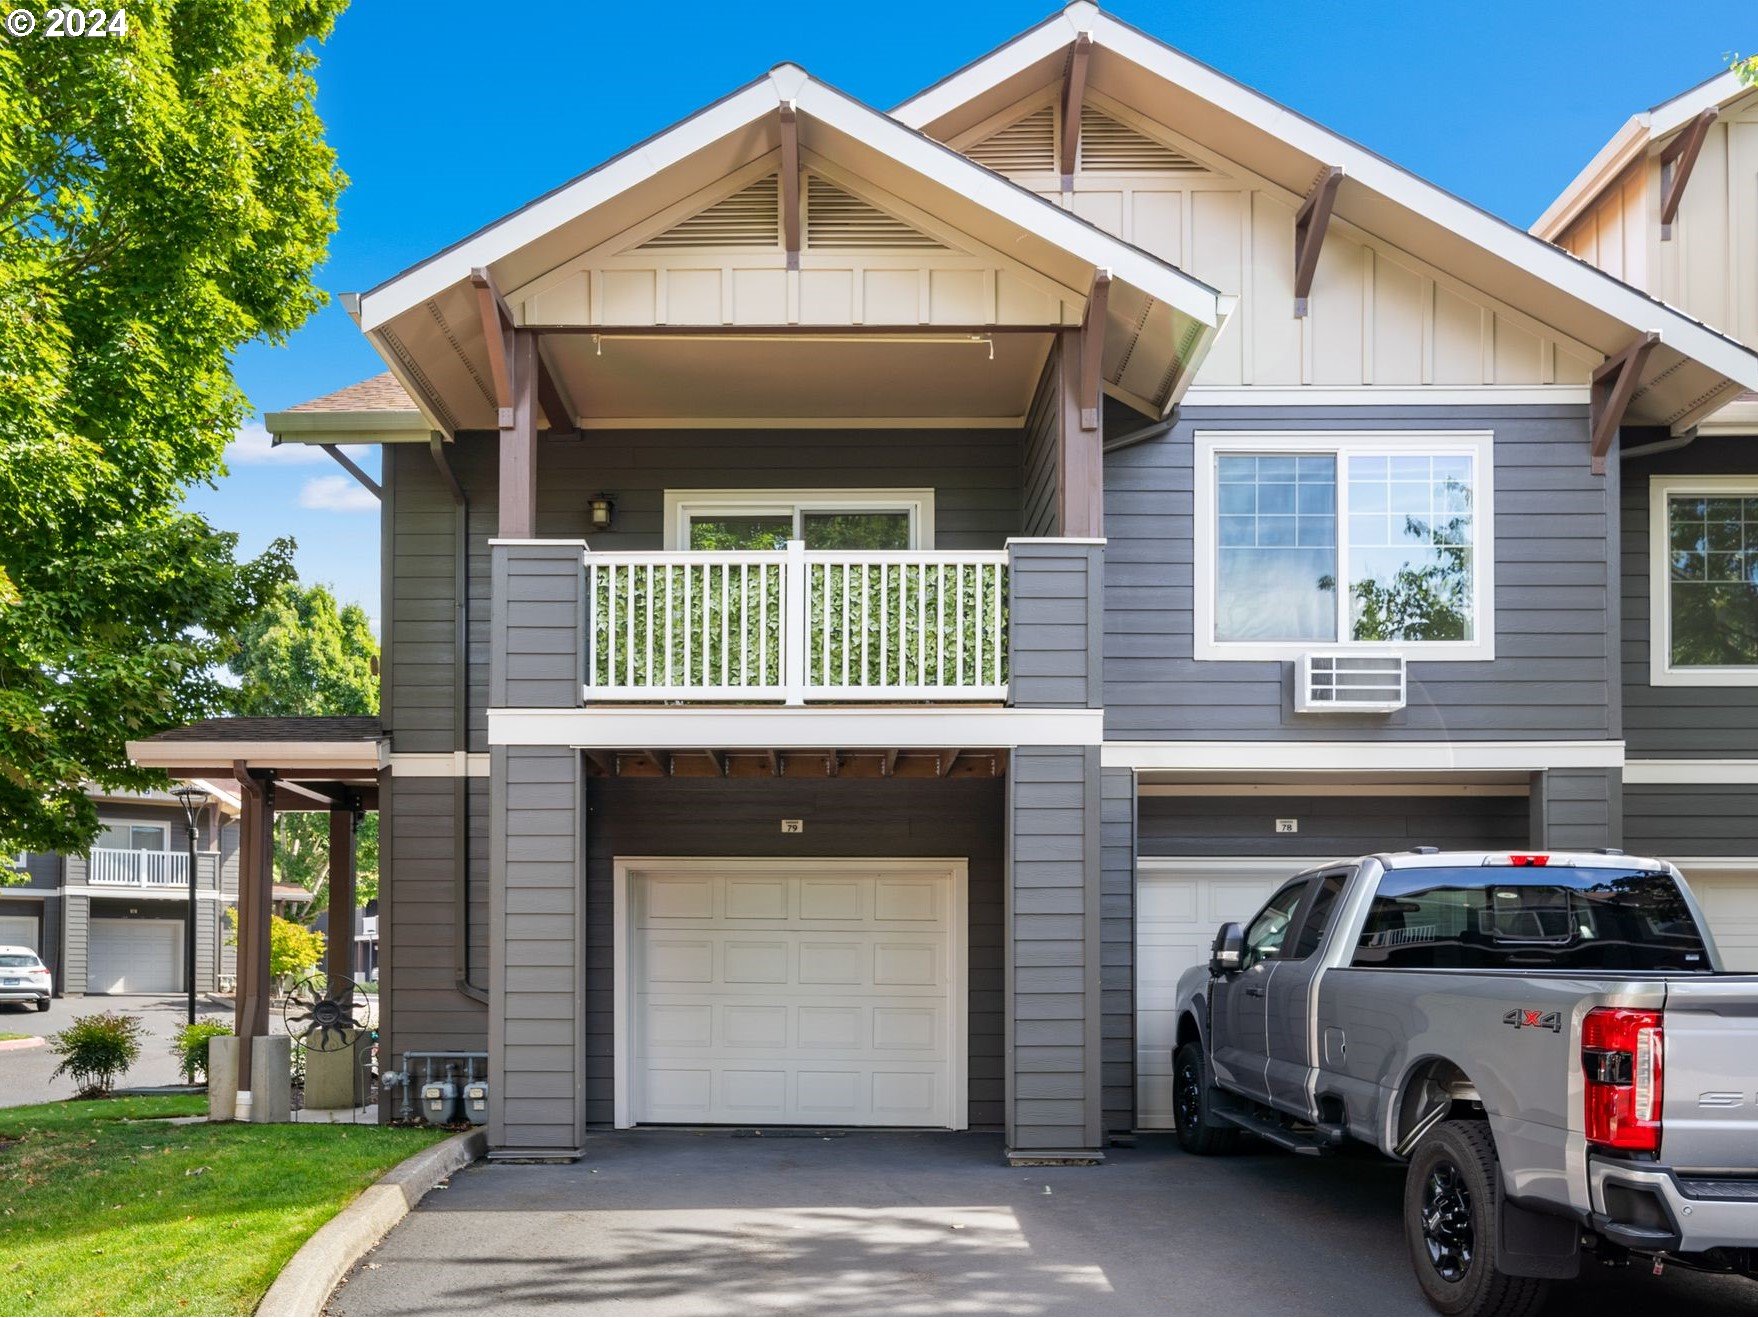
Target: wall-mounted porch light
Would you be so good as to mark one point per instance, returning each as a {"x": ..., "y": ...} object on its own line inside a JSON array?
[{"x": 601, "y": 507}]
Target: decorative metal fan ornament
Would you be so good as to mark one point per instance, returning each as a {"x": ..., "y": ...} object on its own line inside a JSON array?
[{"x": 328, "y": 1016}]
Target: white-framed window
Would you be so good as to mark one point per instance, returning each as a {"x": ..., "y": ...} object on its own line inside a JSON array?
[
  {"x": 1703, "y": 581},
  {"x": 1366, "y": 541},
  {"x": 133, "y": 836},
  {"x": 825, "y": 519}
]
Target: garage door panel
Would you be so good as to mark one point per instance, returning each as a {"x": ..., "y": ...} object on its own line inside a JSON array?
[
  {"x": 19, "y": 931},
  {"x": 792, "y": 998},
  {"x": 134, "y": 956},
  {"x": 1730, "y": 904}
]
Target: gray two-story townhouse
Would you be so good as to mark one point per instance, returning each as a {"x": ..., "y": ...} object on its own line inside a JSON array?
[
  {"x": 111, "y": 920},
  {"x": 866, "y": 594},
  {"x": 1670, "y": 204}
]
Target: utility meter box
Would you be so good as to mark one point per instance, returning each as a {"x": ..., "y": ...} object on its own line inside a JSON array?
[
  {"x": 439, "y": 1102},
  {"x": 476, "y": 1102}
]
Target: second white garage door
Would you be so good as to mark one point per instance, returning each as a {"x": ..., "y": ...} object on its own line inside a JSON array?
[
  {"x": 134, "y": 956},
  {"x": 1730, "y": 901},
  {"x": 791, "y": 992},
  {"x": 1180, "y": 903}
]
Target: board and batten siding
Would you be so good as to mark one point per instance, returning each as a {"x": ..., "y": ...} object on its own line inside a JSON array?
[
  {"x": 893, "y": 818},
  {"x": 1555, "y": 674},
  {"x": 1677, "y": 722}
]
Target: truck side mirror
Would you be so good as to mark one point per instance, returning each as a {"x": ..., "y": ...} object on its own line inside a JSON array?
[{"x": 1228, "y": 952}]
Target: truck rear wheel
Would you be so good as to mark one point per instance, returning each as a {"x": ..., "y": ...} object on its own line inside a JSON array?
[
  {"x": 1451, "y": 1226},
  {"x": 1193, "y": 1105}
]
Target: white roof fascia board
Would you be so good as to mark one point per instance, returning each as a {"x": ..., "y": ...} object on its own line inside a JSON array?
[
  {"x": 1626, "y": 146},
  {"x": 358, "y": 427},
  {"x": 174, "y": 755},
  {"x": 531, "y": 222},
  {"x": 1638, "y": 133},
  {"x": 942, "y": 164},
  {"x": 1364, "y": 168},
  {"x": 1041, "y": 42}
]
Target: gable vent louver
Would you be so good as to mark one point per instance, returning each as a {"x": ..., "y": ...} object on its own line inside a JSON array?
[
  {"x": 839, "y": 221},
  {"x": 751, "y": 217},
  {"x": 1108, "y": 147},
  {"x": 1025, "y": 146}
]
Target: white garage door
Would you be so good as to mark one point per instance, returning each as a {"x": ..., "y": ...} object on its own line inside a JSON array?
[
  {"x": 19, "y": 931},
  {"x": 792, "y": 993},
  {"x": 1730, "y": 900},
  {"x": 134, "y": 956},
  {"x": 1179, "y": 905}
]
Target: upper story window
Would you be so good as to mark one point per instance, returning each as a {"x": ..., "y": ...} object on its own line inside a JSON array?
[
  {"x": 1703, "y": 557},
  {"x": 133, "y": 837},
  {"x": 750, "y": 520},
  {"x": 1364, "y": 541}
]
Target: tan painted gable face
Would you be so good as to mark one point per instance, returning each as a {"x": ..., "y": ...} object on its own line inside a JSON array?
[{"x": 1378, "y": 316}]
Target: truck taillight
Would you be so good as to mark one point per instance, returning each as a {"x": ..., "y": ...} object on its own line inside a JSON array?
[{"x": 1621, "y": 1055}]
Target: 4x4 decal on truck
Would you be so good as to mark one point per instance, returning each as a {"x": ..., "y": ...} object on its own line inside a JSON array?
[{"x": 1521, "y": 1019}]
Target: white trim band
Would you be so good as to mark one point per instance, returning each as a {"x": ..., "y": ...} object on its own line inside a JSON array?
[
  {"x": 795, "y": 728},
  {"x": 440, "y": 764},
  {"x": 1657, "y": 773},
  {"x": 1334, "y": 757}
]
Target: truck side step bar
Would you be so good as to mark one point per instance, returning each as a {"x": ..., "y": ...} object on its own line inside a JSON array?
[{"x": 1313, "y": 1141}]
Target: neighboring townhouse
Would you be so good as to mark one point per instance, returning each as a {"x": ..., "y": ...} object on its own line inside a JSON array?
[
  {"x": 112, "y": 920},
  {"x": 1671, "y": 206},
  {"x": 866, "y": 595}
]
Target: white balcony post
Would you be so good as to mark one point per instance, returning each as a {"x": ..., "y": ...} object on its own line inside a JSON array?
[{"x": 794, "y": 605}]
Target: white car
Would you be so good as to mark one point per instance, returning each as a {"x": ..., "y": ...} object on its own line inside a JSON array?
[{"x": 24, "y": 977}]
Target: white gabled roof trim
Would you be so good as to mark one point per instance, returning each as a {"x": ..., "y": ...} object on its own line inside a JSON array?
[
  {"x": 1629, "y": 144},
  {"x": 788, "y": 82},
  {"x": 1364, "y": 168}
]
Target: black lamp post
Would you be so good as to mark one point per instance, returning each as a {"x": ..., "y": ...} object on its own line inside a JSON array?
[{"x": 193, "y": 800}]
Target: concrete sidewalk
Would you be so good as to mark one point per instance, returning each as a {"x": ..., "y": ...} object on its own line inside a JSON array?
[{"x": 673, "y": 1222}]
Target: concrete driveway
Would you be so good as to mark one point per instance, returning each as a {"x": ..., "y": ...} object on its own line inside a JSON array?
[
  {"x": 673, "y": 1222},
  {"x": 24, "y": 1074}
]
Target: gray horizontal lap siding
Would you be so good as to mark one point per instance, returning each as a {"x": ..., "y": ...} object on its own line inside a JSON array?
[
  {"x": 1329, "y": 825},
  {"x": 1554, "y": 675},
  {"x": 1117, "y": 841},
  {"x": 739, "y": 817},
  {"x": 1038, "y": 474},
  {"x": 1684, "y": 722},
  {"x": 1694, "y": 819}
]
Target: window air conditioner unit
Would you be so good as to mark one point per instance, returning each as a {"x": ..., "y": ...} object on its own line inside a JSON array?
[{"x": 1349, "y": 683}]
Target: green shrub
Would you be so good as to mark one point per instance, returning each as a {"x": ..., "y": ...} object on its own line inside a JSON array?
[
  {"x": 96, "y": 1050},
  {"x": 190, "y": 1047}
]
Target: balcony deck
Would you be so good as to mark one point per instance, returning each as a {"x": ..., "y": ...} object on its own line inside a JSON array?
[{"x": 113, "y": 867}]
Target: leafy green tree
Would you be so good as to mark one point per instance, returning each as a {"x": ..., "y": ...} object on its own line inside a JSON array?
[
  {"x": 294, "y": 950},
  {"x": 1747, "y": 67},
  {"x": 304, "y": 654},
  {"x": 164, "y": 197}
]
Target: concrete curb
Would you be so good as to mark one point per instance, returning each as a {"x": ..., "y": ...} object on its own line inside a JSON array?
[
  {"x": 14, "y": 1045},
  {"x": 304, "y": 1285}
]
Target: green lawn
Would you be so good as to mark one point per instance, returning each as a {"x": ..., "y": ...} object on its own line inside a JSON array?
[
  {"x": 102, "y": 1212},
  {"x": 8, "y": 1034}
]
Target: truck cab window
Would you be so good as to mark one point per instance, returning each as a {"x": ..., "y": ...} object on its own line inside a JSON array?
[
  {"x": 1268, "y": 930},
  {"x": 1318, "y": 915}
]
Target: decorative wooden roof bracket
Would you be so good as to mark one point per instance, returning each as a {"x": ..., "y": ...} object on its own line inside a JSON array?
[
  {"x": 499, "y": 328},
  {"x": 1310, "y": 225},
  {"x": 1074, "y": 90},
  {"x": 790, "y": 183},
  {"x": 1614, "y": 385},
  {"x": 1676, "y": 163}
]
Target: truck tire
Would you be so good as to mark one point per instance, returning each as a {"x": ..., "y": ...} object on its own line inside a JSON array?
[
  {"x": 1193, "y": 1104},
  {"x": 1451, "y": 1225}
]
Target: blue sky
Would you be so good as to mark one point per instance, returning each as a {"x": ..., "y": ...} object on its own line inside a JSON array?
[{"x": 447, "y": 115}]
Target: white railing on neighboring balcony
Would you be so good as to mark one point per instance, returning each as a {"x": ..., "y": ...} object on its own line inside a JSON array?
[
  {"x": 797, "y": 626},
  {"x": 113, "y": 867}
]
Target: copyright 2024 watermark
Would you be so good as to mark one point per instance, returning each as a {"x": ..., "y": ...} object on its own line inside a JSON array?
[{"x": 67, "y": 21}]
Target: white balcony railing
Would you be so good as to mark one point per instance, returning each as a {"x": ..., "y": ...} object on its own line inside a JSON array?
[
  {"x": 113, "y": 867},
  {"x": 797, "y": 626}
]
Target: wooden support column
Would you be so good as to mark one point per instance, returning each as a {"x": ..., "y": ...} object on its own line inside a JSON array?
[
  {"x": 339, "y": 952},
  {"x": 256, "y": 878},
  {"x": 1614, "y": 385},
  {"x": 790, "y": 182},
  {"x": 1676, "y": 163},
  {"x": 518, "y": 466},
  {"x": 1074, "y": 91},
  {"x": 1310, "y": 225},
  {"x": 1080, "y": 494}
]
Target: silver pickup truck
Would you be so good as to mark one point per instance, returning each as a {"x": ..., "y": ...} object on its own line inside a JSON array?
[{"x": 1549, "y": 1041}]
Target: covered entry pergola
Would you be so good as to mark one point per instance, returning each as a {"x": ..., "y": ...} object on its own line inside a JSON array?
[{"x": 280, "y": 764}]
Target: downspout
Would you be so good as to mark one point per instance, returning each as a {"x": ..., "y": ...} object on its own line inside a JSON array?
[
  {"x": 1659, "y": 446},
  {"x": 460, "y": 724},
  {"x": 1131, "y": 438}
]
